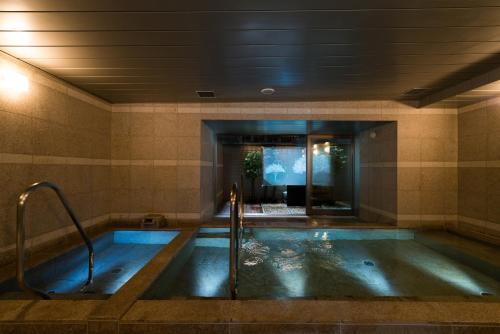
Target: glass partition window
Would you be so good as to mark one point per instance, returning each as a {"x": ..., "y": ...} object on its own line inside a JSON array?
[{"x": 331, "y": 175}]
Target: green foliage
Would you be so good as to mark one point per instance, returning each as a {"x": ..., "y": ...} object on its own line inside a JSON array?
[
  {"x": 340, "y": 157},
  {"x": 252, "y": 164}
]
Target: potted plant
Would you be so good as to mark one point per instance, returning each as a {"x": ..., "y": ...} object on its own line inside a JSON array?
[{"x": 252, "y": 167}]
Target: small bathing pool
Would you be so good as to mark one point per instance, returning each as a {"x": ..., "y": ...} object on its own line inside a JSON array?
[
  {"x": 119, "y": 255},
  {"x": 333, "y": 264}
]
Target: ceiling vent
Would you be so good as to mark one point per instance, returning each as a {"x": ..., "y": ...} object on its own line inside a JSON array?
[
  {"x": 416, "y": 92},
  {"x": 205, "y": 94}
]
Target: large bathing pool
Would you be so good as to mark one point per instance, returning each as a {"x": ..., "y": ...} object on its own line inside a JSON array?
[
  {"x": 119, "y": 255},
  {"x": 333, "y": 263}
]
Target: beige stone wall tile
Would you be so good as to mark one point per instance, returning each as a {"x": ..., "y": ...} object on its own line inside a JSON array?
[
  {"x": 473, "y": 205},
  {"x": 209, "y": 107},
  {"x": 165, "y": 125},
  {"x": 494, "y": 145},
  {"x": 409, "y": 149},
  {"x": 493, "y": 118},
  {"x": 165, "y": 200},
  {"x": 493, "y": 180},
  {"x": 120, "y": 177},
  {"x": 409, "y": 126},
  {"x": 141, "y": 201},
  {"x": 435, "y": 149},
  {"x": 165, "y": 148},
  {"x": 438, "y": 126},
  {"x": 409, "y": 178},
  {"x": 78, "y": 143},
  {"x": 188, "y": 200},
  {"x": 473, "y": 148},
  {"x": 141, "y": 177},
  {"x": 7, "y": 226},
  {"x": 120, "y": 124},
  {"x": 439, "y": 178},
  {"x": 120, "y": 147},
  {"x": 170, "y": 108},
  {"x": 101, "y": 178},
  {"x": 431, "y": 202},
  {"x": 189, "y": 148},
  {"x": 16, "y": 134},
  {"x": 165, "y": 178},
  {"x": 189, "y": 126},
  {"x": 78, "y": 178},
  {"x": 409, "y": 202},
  {"x": 188, "y": 177},
  {"x": 141, "y": 108},
  {"x": 189, "y": 108},
  {"x": 100, "y": 146},
  {"x": 473, "y": 180},
  {"x": 14, "y": 179},
  {"x": 52, "y": 105},
  {"x": 120, "y": 201},
  {"x": 101, "y": 202},
  {"x": 472, "y": 123},
  {"x": 494, "y": 208},
  {"x": 450, "y": 203},
  {"x": 141, "y": 124},
  {"x": 142, "y": 148}
]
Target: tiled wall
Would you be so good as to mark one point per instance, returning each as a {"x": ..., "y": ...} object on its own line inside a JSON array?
[
  {"x": 57, "y": 133},
  {"x": 164, "y": 142},
  {"x": 378, "y": 173},
  {"x": 156, "y": 161},
  {"x": 479, "y": 167}
]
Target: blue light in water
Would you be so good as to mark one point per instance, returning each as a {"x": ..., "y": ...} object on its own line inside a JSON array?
[
  {"x": 212, "y": 242},
  {"x": 144, "y": 237},
  {"x": 445, "y": 269}
]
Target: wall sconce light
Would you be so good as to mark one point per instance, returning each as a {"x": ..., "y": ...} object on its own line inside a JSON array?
[{"x": 12, "y": 82}]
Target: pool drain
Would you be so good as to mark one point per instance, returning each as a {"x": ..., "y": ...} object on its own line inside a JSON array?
[
  {"x": 116, "y": 271},
  {"x": 486, "y": 294},
  {"x": 368, "y": 263}
]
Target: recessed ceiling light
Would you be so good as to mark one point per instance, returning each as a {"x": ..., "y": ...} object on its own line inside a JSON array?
[{"x": 267, "y": 91}]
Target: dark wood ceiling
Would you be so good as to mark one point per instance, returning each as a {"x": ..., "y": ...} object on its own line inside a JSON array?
[{"x": 158, "y": 51}]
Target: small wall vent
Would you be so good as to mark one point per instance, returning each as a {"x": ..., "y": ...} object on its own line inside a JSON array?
[{"x": 204, "y": 94}]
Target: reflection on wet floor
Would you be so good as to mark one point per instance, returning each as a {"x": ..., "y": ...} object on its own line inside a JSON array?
[{"x": 287, "y": 263}]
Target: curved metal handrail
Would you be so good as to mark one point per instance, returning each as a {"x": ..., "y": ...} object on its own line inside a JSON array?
[
  {"x": 234, "y": 242},
  {"x": 20, "y": 242},
  {"x": 241, "y": 203}
]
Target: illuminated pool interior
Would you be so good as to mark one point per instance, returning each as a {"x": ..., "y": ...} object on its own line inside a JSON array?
[
  {"x": 119, "y": 255},
  {"x": 329, "y": 263}
]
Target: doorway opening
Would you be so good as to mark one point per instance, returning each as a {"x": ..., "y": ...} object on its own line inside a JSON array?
[{"x": 296, "y": 168}]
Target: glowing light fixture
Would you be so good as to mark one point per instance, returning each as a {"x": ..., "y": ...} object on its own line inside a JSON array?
[
  {"x": 327, "y": 147},
  {"x": 15, "y": 32},
  {"x": 13, "y": 82}
]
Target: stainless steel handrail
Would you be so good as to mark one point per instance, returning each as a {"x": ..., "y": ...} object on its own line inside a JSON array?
[
  {"x": 241, "y": 203},
  {"x": 234, "y": 242},
  {"x": 20, "y": 247}
]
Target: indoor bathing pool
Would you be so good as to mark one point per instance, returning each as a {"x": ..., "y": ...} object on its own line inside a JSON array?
[
  {"x": 333, "y": 263},
  {"x": 119, "y": 255}
]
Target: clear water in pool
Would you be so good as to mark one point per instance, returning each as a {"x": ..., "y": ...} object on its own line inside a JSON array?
[
  {"x": 119, "y": 255},
  {"x": 288, "y": 263}
]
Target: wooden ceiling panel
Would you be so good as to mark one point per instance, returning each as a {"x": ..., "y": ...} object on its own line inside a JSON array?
[{"x": 165, "y": 50}]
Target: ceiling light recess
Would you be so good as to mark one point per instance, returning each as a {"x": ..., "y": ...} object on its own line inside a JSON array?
[{"x": 268, "y": 91}]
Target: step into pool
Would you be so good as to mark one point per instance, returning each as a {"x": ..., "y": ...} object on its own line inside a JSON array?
[
  {"x": 119, "y": 255},
  {"x": 329, "y": 264}
]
